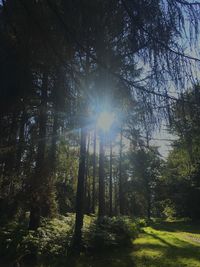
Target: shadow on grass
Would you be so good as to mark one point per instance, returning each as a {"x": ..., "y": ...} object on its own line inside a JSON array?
[
  {"x": 120, "y": 257},
  {"x": 190, "y": 227},
  {"x": 158, "y": 251},
  {"x": 116, "y": 258},
  {"x": 162, "y": 240}
]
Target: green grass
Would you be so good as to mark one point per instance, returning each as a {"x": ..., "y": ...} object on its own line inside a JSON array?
[
  {"x": 169, "y": 244},
  {"x": 166, "y": 244}
]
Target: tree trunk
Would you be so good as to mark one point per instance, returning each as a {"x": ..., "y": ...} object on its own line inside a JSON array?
[
  {"x": 80, "y": 193},
  {"x": 148, "y": 185},
  {"x": 89, "y": 195},
  {"x": 94, "y": 172},
  {"x": 9, "y": 160},
  {"x": 38, "y": 179},
  {"x": 121, "y": 191},
  {"x": 110, "y": 182},
  {"x": 87, "y": 182},
  {"x": 51, "y": 206},
  {"x": 20, "y": 142},
  {"x": 116, "y": 196},
  {"x": 101, "y": 178},
  {"x": 149, "y": 205}
]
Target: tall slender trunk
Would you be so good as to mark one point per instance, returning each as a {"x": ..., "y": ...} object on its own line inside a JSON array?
[
  {"x": 148, "y": 185},
  {"x": 9, "y": 158},
  {"x": 80, "y": 193},
  {"x": 20, "y": 142},
  {"x": 53, "y": 142},
  {"x": 116, "y": 196},
  {"x": 94, "y": 172},
  {"x": 50, "y": 207},
  {"x": 38, "y": 179},
  {"x": 110, "y": 181},
  {"x": 7, "y": 185},
  {"x": 101, "y": 178},
  {"x": 89, "y": 195},
  {"x": 87, "y": 182},
  {"x": 121, "y": 191},
  {"x": 148, "y": 204}
]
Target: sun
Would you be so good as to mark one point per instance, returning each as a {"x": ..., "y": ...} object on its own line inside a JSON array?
[{"x": 105, "y": 120}]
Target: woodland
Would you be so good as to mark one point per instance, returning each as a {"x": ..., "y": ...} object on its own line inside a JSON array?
[{"x": 84, "y": 86}]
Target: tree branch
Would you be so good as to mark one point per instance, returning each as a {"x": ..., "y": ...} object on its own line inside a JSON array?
[
  {"x": 182, "y": 2},
  {"x": 158, "y": 41}
]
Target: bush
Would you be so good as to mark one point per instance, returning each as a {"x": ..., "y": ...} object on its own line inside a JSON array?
[
  {"x": 49, "y": 241},
  {"x": 169, "y": 210},
  {"x": 141, "y": 223},
  {"x": 109, "y": 232},
  {"x": 52, "y": 240}
]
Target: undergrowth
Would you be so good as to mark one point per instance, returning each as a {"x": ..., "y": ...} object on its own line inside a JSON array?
[{"x": 52, "y": 240}]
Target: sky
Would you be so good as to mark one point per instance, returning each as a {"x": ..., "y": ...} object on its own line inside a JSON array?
[{"x": 163, "y": 142}]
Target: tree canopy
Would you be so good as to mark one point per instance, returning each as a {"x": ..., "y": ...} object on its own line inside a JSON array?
[{"x": 63, "y": 65}]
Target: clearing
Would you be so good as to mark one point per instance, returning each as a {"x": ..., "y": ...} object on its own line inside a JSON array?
[
  {"x": 165, "y": 244},
  {"x": 170, "y": 244}
]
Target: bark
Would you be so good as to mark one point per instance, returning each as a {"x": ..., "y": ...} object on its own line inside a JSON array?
[
  {"x": 121, "y": 191},
  {"x": 101, "y": 178},
  {"x": 94, "y": 173},
  {"x": 88, "y": 195},
  {"x": 53, "y": 142},
  {"x": 9, "y": 160},
  {"x": 20, "y": 144},
  {"x": 58, "y": 94},
  {"x": 110, "y": 182},
  {"x": 148, "y": 186},
  {"x": 38, "y": 179},
  {"x": 87, "y": 181},
  {"x": 49, "y": 207},
  {"x": 149, "y": 206},
  {"x": 116, "y": 197},
  {"x": 80, "y": 193}
]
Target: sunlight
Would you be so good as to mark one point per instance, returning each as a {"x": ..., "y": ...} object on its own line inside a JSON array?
[{"x": 105, "y": 120}]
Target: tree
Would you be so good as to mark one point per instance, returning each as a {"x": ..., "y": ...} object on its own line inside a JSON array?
[
  {"x": 182, "y": 170},
  {"x": 146, "y": 172},
  {"x": 80, "y": 193},
  {"x": 111, "y": 180},
  {"x": 101, "y": 211},
  {"x": 67, "y": 52}
]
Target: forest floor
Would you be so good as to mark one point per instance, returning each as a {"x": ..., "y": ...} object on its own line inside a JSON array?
[
  {"x": 163, "y": 244},
  {"x": 166, "y": 244}
]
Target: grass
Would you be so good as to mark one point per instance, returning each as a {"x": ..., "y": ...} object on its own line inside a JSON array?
[
  {"x": 168, "y": 244},
  {"x": 164, "y": 244}
]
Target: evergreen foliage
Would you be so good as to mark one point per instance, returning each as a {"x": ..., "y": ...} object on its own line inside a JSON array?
[{"x": 63, "y": 63}]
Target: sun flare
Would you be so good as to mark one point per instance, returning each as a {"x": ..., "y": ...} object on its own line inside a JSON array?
[{"x": 105, "y": 121}]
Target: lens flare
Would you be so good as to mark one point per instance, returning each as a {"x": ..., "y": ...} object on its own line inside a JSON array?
[{"x": 105, "y": 121}]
